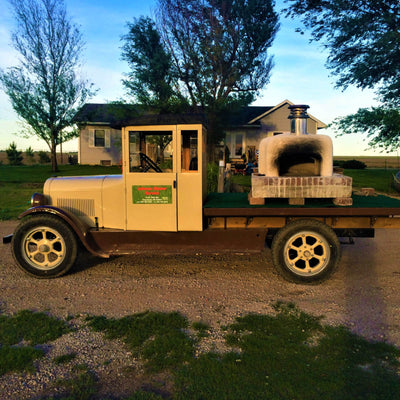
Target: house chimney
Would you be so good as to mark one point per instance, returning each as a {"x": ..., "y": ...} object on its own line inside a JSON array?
[{"x": 298, "y": 119}]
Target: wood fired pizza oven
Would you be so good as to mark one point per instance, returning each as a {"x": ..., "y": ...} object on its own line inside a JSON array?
[{"x": 296, "y": 153}]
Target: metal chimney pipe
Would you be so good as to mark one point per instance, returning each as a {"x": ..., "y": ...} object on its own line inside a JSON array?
[{"x": 298, "y": 119}]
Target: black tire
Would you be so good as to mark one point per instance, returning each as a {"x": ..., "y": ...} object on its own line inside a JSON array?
[
  {"x": 306, "y": 251},
  {"x": 44, "y": 246}
]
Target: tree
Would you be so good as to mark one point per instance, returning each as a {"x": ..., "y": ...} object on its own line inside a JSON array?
[
  {"x": 363, "y": 40},
  {"x": 44, "y": 89},
  {"x": 213, "y": 53},
  {"x": 151, "y": 80},
  {"x": 30, "y": 154},
  {"x": 219, "y": 51},
  {"x": 14, "y": 155}
]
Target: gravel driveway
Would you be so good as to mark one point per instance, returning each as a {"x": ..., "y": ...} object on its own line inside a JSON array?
[{"x": 363, "y": 295}]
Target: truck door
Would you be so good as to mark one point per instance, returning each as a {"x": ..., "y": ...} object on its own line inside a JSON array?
[
  {"x": 150, "y": 178},
  {"x": 191, "y": 177}
]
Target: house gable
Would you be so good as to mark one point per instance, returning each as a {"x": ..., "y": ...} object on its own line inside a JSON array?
[
  {"x": 281, "y": 112},
  {"x": 258, "y": 123}
]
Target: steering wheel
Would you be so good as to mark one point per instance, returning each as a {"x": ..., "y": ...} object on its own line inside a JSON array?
[{"x": 147, "y": 163}]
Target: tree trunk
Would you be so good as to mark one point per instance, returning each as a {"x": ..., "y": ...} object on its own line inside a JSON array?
[
  {"x": 61, "y": 153},
  {"x": 54, "y": 166}
]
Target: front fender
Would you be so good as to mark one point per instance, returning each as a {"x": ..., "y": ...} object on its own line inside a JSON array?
[{"x": 81, "y": 229}]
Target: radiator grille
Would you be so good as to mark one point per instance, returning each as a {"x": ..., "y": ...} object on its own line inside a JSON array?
[{"x": 79, "y": 207}]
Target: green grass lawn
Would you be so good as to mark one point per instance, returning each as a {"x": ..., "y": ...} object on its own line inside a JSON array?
[{"x": 379, "y": 179}]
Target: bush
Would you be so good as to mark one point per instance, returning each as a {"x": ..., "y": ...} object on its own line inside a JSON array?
[
  {"x": 43, "y": 157},
  {"x": 30, "y": 154},
  {"x": 212, "y": 177},
  {"x": 14, "y": 156},
  {"x": 351, "y": 164}
]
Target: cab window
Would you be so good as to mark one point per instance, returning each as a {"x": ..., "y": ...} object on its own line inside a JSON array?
[
  {"x": 150, "y": 151},
  {"x": 189, "y": 142}
]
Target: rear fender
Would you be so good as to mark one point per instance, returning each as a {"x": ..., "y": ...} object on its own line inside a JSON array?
[{"x": 81, "y": 229}]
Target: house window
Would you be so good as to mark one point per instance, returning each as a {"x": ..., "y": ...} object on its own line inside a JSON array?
[
  {"x": 239, "y": 145},
  {"x": 99, "y": 138}
]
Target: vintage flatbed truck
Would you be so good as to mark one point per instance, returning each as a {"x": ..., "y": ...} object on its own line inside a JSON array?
[{"x": 163, "y": 207}]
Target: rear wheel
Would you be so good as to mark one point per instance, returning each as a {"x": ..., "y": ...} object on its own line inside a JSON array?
[
  {"x": 44, "y": 246},
  {"x": 306, "y": 251}
]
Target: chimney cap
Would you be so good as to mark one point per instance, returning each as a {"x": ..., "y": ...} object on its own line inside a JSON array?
[{"x": 298, "y": 111}]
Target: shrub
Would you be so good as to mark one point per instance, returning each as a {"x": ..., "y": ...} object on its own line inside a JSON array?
[
  {"x": 354, "y": 164},
  {"x": 14, "y": 156},
  {"x": 30, "y": 154},
  {"x": 350, "y": 164},
  {"x": 43, "y": 157},
  {"x": 212, "y": 177}
]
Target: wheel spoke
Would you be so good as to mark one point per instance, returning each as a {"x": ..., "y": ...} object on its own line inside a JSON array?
[
  {"x": 316, "y": 244},
  {"x": 308, "y": 268},
  {"x": 31, "y": 239},
  {"x": 294, "y": 260},
  {"x": 32, "y": 254}
]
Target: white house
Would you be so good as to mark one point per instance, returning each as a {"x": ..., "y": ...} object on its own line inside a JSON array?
[{"x": 100, "y": 129}]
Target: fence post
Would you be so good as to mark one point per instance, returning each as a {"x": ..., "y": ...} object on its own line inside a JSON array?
[{"x": 221, "y": 176}]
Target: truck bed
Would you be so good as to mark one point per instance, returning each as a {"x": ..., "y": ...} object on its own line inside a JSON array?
[
  {"x": 232, "y": 210},
  {"x": 237, "y": 204}
]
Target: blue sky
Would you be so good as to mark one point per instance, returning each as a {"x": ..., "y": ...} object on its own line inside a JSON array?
[{"x": 299, "y": 74}]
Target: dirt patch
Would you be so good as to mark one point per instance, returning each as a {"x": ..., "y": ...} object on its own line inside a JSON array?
[{"x": 363, "y": 295}]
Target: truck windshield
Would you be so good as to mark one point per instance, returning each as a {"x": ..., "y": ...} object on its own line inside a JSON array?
[{"x": 150, "y": 151}]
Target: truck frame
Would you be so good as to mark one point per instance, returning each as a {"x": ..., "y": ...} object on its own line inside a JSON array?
[{"x": 159, "y": 204}]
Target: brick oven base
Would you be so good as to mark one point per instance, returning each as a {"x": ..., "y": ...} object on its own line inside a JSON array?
[{"x": 298, "y": 188}]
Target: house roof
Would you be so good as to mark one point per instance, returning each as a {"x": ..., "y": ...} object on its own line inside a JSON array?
[
  {"x": 118, "y": 115},
  {"x": 246, "y": 114}
]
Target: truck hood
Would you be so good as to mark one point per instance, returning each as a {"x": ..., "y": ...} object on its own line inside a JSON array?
[{"x": 88, "y": 197}]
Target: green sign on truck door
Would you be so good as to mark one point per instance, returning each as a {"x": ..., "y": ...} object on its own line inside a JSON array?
[{"x": 152, "y": 194}]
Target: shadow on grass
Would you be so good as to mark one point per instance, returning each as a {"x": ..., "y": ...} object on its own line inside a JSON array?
[{"x": 289, "y": 355}]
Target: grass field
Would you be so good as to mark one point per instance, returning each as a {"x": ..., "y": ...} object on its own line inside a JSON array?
[{"x": 379, "y": 179}]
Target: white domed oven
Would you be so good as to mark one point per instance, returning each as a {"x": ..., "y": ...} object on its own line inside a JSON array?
[{"x": 297, "y": 165}]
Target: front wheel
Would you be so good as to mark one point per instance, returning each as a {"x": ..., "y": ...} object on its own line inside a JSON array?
[
  {"x": 44, "y": 246},
  {"x": 306, "y": 251}
]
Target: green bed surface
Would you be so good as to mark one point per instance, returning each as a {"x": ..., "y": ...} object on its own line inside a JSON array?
[{"x": 240, "y": 200}]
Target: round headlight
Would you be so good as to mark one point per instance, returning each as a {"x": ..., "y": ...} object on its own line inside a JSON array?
[{"x": 38, "y": 199}]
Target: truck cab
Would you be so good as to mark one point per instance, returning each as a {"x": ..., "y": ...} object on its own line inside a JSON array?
[{"x": 161, "y": 188}]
